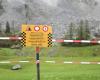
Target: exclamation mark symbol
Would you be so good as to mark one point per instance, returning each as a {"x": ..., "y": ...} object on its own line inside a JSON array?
[{"x": 28, "y": 29}]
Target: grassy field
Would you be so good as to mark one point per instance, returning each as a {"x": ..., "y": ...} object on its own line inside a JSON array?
[
  {"x": 58, "y": 51},
  {"x": 50, "y": 71}
]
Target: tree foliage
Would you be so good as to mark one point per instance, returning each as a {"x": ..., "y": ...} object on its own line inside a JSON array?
[
  {"x": 71, "y": 26},
  {"x": 83, "y": 30},
  {"x": 7, "y": 31},
  {"x": 79, "y": 32}
]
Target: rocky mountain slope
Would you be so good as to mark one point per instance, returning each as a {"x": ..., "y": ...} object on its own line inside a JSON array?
[{"x": 58, "y": 13}]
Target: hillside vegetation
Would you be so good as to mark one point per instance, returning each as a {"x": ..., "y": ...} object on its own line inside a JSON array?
[
  {"x": 54, "y": 52},
  {"x": 59, "y": 70}
]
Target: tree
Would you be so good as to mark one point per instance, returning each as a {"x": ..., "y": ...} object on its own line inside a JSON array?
[
  {"x": 71, "y": 30},
  {"x": 80, "y": 30},
  {"x": 69, "y": 34},
  {"x": 83, "y": 30},
  {"x": 7, "y": 28},
  {"x": 82, "y": 33},
  {"x": 87, "y": 31}
]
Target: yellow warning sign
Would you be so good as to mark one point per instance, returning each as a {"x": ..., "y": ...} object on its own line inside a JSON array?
[{"x": 36, "y": 35}]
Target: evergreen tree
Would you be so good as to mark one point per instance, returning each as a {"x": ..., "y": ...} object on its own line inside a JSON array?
[
  {"x": 87, "y": 31},
  {"x": 80, "y": 30},
  {"x": 71, "y": 26},
  {"x": 7, "y": 28},
  {"x": 83, "y": 31}
]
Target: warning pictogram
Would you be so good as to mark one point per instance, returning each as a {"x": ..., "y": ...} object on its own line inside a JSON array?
[
  {"x": 45, "y": 28},
  {"x": 28, "y": 29},
  {"x": 36, "y": 28}
]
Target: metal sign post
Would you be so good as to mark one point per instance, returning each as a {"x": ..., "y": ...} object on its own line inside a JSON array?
[{"x": 38, "y": 62}]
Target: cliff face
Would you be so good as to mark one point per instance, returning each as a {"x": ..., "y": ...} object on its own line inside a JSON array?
[{"x": 58, "y": 13}]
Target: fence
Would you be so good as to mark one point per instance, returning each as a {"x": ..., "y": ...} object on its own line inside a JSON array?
[
  {"x": 56, "y": 40},
  {"x": 52, "y": 62}
]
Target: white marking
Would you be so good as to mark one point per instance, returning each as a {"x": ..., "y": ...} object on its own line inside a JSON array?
[
  {"x": 19, "y": 37},
  {"x": 99, "y": 42},
  {"x": 5, "y": 62},
  {"x": 65, "y": 62},
  {"x": 85, "y": 62},
  {"x": 4, "y": 38},
  {"x": 50, "y": 61},
  {"x": 68, "y": 40},
  {"x": 85, "y": 41},
  {"x": 8, "y": 38},
  {"x": 98, "y": 63},
  {"x": 23, "y": 61},
  {"x": 53, "y": 40}
]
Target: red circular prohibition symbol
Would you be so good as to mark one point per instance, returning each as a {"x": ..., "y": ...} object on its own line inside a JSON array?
[
  {"x": 45, "y": 28},
  {"x": 36, "y": 28}
]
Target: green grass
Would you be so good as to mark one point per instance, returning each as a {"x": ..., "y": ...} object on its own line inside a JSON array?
[
  {"x": 51, "y": 72},
  {"x": 85, "y": 51},
  {"x": 59, "y": 51}
]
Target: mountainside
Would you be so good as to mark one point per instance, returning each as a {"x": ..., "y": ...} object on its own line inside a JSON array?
[{"x": 58, "y": 13}]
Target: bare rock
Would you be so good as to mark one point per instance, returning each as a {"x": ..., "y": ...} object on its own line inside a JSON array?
[{"x": 16, "y": 67}]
